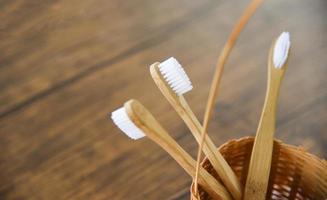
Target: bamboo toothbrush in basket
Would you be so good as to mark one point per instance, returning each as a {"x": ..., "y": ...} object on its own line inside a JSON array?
[
  {"x": 136, "y": 122},
  {"x": 260, "y": 163},
  {"x": 173, "y": 82}
]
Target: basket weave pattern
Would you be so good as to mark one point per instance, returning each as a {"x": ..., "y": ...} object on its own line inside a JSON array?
[{"x": 295, "y": 174}]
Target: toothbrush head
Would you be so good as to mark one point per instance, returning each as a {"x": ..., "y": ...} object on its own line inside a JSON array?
[
  {"x": 281, "y": 50},
  {"x": 124, "y": 123},
  {"x": 175, "y": 76}
]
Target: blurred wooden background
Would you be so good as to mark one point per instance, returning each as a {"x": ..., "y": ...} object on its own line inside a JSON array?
[{"x": 65, "y": 65}]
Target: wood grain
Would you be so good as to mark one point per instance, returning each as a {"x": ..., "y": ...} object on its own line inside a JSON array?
[
  {"x": 64, "y": 65},
  {"x": 95, "y": 36}
]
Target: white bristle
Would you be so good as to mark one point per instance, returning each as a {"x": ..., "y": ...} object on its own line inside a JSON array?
[
  {"x": 121, "y": 119},
  {"x": 175, "y": 76},
  {"x": 281, "y": 50}
]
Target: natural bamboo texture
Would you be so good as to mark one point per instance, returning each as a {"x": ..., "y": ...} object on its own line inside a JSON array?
[
  {"x": 144, "y": 120},
  {"x": 181, "y": 106},
  {"x": 66, "y": 64},
  {"x": 295, "y": 173},
  {"x": 224, "y": 56},
  {"x": 260, "y": 162},
  {"x": 213, "y": 93}
]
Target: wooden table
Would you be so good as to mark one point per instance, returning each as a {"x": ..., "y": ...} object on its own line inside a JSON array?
[{"x": 65, "y": 65}]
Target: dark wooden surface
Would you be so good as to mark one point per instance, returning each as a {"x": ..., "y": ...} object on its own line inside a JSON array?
[{"x": 64, "y": 65}]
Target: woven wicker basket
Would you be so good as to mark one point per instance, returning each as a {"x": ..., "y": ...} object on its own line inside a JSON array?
[{"x": 295, "y": 174}]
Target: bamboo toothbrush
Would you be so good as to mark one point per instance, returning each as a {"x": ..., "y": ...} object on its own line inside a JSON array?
[
  {"x": 136, "y": 122},
  {"x": 260, "y": 163},
  {"x": 173, "y": 82}
]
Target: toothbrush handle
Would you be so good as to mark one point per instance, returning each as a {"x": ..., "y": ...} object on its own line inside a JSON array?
[
  {"x": 209, "y": 183},
  {"x": 149, "y": 125},
  {"x": 260, "y": 163},
  {"x": 218, "y": 162}
]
